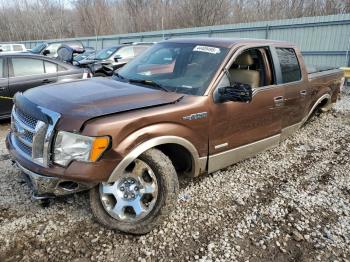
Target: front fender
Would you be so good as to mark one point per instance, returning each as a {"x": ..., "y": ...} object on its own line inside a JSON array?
[
  {"x": 197, "y": 163},
  {"x": 134, "y": 144},
  {"x": 126, "y": 141}
]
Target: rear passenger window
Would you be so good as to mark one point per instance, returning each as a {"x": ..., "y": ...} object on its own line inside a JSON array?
[
  {"x": 290, "y": 68},
  {"x": 27, "y": 66},
  {"x": 50, "y": 67}
]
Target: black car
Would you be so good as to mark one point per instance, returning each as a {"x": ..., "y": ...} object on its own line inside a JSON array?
[
  {"x": 21, "y": 71},
  {"x": 50, "y": 48},
  {"x": 109, "y": 59}
]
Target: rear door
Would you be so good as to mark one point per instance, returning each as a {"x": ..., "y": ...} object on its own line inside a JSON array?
[
  {"x": 289, "y": 75},
  {"x": 27, "y": 73},
  {"x": 5, "y": 103}
]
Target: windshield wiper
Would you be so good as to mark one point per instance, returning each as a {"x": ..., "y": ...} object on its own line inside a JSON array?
[{"x": 148, "y": 82}]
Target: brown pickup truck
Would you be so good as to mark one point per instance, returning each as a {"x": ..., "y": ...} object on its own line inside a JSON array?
[{"x": 184, "y": 107}]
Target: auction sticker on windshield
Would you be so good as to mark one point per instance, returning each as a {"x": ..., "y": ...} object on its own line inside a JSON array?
[{"x": 207, "y": 49}]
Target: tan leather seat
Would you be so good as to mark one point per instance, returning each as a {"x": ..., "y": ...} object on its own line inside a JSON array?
[{"x": 245, "y": 75}]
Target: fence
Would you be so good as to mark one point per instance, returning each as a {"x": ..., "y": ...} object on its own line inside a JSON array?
[{"x": 324, "y": 40}]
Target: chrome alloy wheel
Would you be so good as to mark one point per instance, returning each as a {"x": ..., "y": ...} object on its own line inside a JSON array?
[{"x": 133, "y": 195}]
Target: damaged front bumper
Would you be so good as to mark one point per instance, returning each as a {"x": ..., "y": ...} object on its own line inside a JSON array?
[
  {"x": 48, "y": 182},
  {"x": 48, "y": 187}
]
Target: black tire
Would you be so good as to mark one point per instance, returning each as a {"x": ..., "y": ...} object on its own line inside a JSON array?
[{"x": 168, "y": 187}]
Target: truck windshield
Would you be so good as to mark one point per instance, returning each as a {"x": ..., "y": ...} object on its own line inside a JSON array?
[
  {"x": 105, "y": 53},
  {"x": 177, "y": 67}
]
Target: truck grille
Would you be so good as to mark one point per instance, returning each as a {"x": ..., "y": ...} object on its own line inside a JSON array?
[
  {"x": 31, "y": 137},
  {"x": 26, "y": 119},
  {"x": 23, "y": 147}
]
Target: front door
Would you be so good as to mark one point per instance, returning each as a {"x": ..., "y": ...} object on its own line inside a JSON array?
[
  {"x": 239, "y": 130},
  {"x": 5, "y": 101}
]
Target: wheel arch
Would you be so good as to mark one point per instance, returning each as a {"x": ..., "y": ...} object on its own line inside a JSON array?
[
  {"x": 324, "y": 101},
  {"x": 163, "y": 143}
]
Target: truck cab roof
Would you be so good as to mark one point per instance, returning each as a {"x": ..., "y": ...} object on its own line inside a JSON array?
[{"x": 226, "y": 42}]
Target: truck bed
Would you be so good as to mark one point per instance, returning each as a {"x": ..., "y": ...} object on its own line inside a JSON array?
[
  {"x": 324, "y": 72},
  {"x": 311, "y": 69}
]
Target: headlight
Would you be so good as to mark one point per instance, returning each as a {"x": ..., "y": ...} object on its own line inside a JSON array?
[{"x": 70, "y": 146}]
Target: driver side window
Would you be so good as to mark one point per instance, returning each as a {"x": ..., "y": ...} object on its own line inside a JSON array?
[{"x": 252, "y": 67}]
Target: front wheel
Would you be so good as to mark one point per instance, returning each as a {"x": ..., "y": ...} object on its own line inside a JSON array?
[{"x": 140, "y": 198}]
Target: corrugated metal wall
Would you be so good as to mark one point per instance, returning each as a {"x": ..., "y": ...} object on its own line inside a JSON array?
[{"x": 323, "y": 40}]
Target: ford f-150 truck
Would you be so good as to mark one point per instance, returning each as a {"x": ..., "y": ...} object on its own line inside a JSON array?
[{"x": 184, "y": 107}]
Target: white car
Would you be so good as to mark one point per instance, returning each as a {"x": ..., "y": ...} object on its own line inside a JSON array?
[{"x": 12, "y": 48}]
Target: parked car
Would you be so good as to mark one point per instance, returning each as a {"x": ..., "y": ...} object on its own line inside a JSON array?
[
  {"x": 106, "y": 61},
  {"x": 85, "y": 62},
  {"x": 50, "y": 48},
  {"x": 87, "y": 53},
  {"x": 183, "y": 107},
  {"x": 20, "y": 72},
  {"x": 12, "y": 48}
]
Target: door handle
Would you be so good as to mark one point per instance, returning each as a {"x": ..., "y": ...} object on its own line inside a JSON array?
[
  {"x": 279, "y": 100},
  {"x": 46, "y": 81},
  {"x": 303, "y": 93}
]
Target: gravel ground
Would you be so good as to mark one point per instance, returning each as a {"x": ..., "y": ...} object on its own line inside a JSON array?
[{"x": 290, "y": 203}]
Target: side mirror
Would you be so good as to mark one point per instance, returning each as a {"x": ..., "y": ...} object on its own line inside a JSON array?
[
  {"x": 46, "y": 52},
  {"x": 238, "y": 93},
  {"x": 117, "y": 58}
]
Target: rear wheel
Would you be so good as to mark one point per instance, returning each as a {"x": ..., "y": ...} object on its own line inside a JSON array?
[{"x": 140, "y": 198}]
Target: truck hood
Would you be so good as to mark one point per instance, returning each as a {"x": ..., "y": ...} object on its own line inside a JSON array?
[{"x": 81, "y": 100}]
